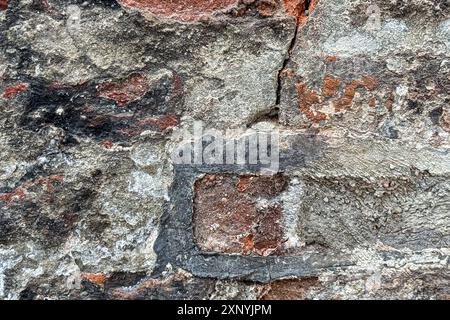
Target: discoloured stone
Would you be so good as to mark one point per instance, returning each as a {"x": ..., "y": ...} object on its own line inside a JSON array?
[
  {"x": 232, "y": 216},
  {"x": 14, "y": 90},
  {"x": 132, "y": 89},
  {"x": 381, "y": 71}
]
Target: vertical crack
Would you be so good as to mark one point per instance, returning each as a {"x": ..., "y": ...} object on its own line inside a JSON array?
[
  {"x": 301, "y": 11},
  {"x": 307, "y": 7},
  {"x": 285, "y": 63}
]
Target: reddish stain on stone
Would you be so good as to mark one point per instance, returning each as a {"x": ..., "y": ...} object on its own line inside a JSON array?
[
  {"x": 185, "y": 10},
  {"x": 124, "y": 92},
  {"x": 48, "y": 182},
  {"x": 166, "y": 284},
  {"x": 289, "y": 289},
  {"x": 129, "y": 132},
  {"x": 247, "y": 244},
  {"x": 389, "y": 102},
  {"x": 56, "y": 178},
  {"x": 372, "y": 102},
  {"x": 14, "y": 90},
  {"x": 97, "y": 278},
  {"x": 345, "y": 102},
  {"x": 155, "y": 123},
  {"x": 3, "y": 4},
  {"x": 307, "y": 99},
  {"x": 20, "y": 192},
  {"x": 108, "y": 144},
  {"x": 330, "y": 59},
  {"x": 178, "y": 85},
  {"x": 227, "y": 217},
  {"x": 163, "y": 122},
  {"x": 310, "y": 101},
  {"x": 368, "y": 82},
  {"x": 17, "y": 194},
  {"x": 97, "y": 120},
  {"x": 330, "y": 86}
]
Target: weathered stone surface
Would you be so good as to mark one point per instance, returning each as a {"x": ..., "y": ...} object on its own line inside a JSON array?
[
  {"x": 95, "y": 97},
  {"x": 181, "y": 9},
  {"x": 388, "y": 79}
]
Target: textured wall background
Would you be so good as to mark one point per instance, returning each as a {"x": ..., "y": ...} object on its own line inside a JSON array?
[{"x": 94, "y": 95}]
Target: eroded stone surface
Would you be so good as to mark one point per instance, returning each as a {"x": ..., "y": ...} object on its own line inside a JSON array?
[
  {"x": 387, "y": 79},
  {"x": 93, "y": 95},
  {"x": 203, "y": 10}
]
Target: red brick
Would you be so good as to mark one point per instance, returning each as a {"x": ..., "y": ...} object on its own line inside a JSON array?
[
  {"x": 227, "y": 217},
  {"x": 262, "y": 186},
  {"x": 289, "y": 289},
  {"x": 267, "y": 8},
  {"x": 296, "y": 8}
]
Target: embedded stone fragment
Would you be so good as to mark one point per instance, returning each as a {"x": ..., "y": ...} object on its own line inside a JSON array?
[{"x": 239, "y": 214}]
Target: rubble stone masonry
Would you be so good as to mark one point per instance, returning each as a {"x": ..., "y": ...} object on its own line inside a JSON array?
[{"x": 96, "y": 95}]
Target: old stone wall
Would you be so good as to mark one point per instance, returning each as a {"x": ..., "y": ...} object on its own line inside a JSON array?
[{"x": 97, "y": 97}]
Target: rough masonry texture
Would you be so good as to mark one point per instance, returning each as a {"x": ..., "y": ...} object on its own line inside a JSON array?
[{"x": 95, "y": 96}]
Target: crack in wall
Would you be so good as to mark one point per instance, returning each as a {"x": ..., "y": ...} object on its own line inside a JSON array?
[
  {"x": 285, "y": 64},
  {"x": 301, "y": 12}
]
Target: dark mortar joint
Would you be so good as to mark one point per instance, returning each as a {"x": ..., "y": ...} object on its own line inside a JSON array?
[{"x": 176, "y": 244}]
